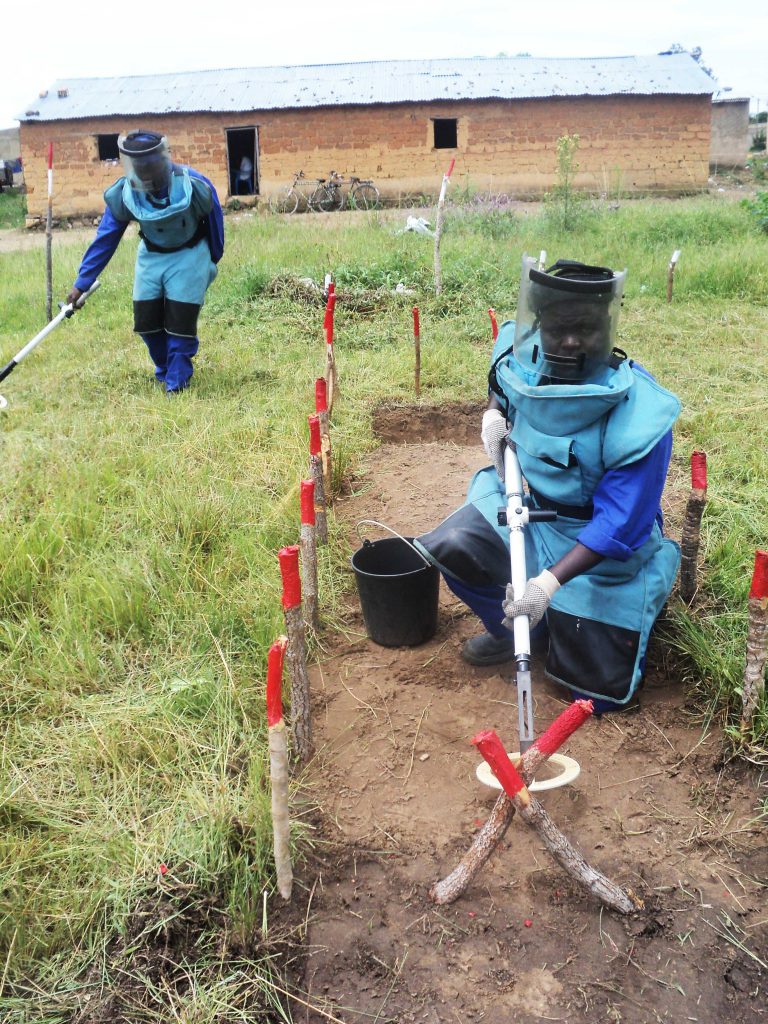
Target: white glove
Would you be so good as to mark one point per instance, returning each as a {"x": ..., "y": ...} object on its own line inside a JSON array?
[
  {"x": 539, "y": 591},
  {"x": 494, "y": 435}
]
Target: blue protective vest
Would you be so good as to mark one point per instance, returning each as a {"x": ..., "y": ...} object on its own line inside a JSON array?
[
  {"x": 567, "y": 437},
  {"x": 171, "y": 226}
]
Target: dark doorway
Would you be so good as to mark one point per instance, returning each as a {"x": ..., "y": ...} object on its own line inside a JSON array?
[{"x": 243, "y": 161}]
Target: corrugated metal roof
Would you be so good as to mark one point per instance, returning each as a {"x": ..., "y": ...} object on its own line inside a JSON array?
[{"x": 392, "y": 81}]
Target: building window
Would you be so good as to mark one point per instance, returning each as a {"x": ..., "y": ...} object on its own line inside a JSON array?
[
  {"x": 445, "y": 132},
  {"x": 107, "y": 147}
]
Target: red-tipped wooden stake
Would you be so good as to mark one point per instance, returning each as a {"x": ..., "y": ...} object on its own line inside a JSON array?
[
  {"x": 278, "y": 768},
  {"x": 757, "y": 640},
  {"x": 417, "y": 350},
  {"x": 494, "y": 325},
  {"x": 301, "y": 716},
  {"x": 330, "y": 357},
  {"x": 439, "y": 227},
  {"x": 490, "y": 835},
  {"x": 308, "y": 545},
  {"x": 533, "y": 814},
  {"x": 316, "y": 472},
  {"x": 321, "y": 410},
  {"x": 671, "y": 273},
  {"x": 691, "y": 535}
]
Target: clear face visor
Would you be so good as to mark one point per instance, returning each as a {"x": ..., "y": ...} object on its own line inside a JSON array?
[
  {"x": 565, "y": 332},
  {"x": 147, "y": 171}
]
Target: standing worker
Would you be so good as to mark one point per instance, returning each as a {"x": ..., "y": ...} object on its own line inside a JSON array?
[
  {"x": 182, "y": 239},
  {"x": 592, "y": 430}
]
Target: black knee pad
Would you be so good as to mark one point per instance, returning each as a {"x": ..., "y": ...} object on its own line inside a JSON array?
[
  {"x": 148, "y": 316},
  {"x": 180, "y": 318}
]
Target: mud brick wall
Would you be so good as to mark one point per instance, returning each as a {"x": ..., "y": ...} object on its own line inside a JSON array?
[{"x": 634, "y": 144}]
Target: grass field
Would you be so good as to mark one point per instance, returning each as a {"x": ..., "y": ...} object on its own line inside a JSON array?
[{"x": 138, "y": 537}]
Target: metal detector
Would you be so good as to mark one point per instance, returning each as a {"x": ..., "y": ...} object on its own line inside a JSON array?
[
  {"x": 516, "y": 516},
  {"x": 65, "y": 313}
]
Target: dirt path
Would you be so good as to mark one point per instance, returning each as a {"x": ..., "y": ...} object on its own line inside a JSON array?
[{"x": 654, "y": 807}]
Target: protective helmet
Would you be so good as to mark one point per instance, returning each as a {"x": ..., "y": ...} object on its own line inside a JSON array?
[
  {"x": 566, "y": 319},
  {"x": 146, "y": 160}
]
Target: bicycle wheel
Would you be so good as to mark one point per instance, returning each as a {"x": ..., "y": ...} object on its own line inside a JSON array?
[
  {"x": 287, "y": 202},
  {"x": 365, "y": 196},
  {"x": 323, "y": 199}
]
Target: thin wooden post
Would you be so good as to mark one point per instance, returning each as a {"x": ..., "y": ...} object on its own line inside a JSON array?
[
  {"x": 417, "y": 351},
  {"x": 278, "y": 768},
  {"x": 757, "y": 641},
  {"x": 330, "y": 356},
  {"x": 494, "y": 325},
  {"x": 691, "y": 534},
  {"x": 439, "y": 227},
  {"x": 321, "y": 410},
  {"x": 49, "y": 241},
  {"x": 533, "y": 814},
  {"x": 671, "y": 273},
  {"x": 301, "y": 715},
  {"x": 316, "y": 472},
  {"x": 308, "y": 545},
  {"x": 490, "y": 835}
]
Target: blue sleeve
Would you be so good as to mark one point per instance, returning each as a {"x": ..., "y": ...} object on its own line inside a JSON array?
[
  {"x": 101, "y": 250},
  {"x": 214, "y": 222},
  {"x": 627, "y": 503}
]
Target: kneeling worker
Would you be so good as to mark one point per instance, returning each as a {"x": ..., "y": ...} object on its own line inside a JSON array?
[
  {"x": 182, "y": 239},
  {"x": 592, "y": 430}
]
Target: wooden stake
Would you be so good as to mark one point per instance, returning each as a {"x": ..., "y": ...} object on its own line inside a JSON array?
[
  {"x": 757, "y": 641},
  {"x": 308, "y": 545},
  {"x": 671, "y": 273},
  {"x": 439, "y": 228},
  {"x": 330, "y": 358},
  {"x": 278, "y": 768},
  {"x": 691, "y": 535},
  {"x": 321, "y": 409},
  {"x": 316, "y": 472},
  {"x": 417, "y": 350},
  {"x": 494, "y": 325},
  {"x": 301, "y": 716},
  {"x": 490, "y": 835},
  {"x": 533, "y": 814},
  {"x": 49, "y": 241}
]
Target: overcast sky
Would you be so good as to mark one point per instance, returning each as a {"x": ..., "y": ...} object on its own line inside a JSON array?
[{"x": 97, "y": 38}]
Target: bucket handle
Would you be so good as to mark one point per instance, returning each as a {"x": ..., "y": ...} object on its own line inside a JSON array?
[{"x": 375, "y": 522}]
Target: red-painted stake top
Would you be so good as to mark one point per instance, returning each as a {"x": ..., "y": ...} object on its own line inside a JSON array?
[
  {"x": 492, "y": 749},
  {"x": 289, "y": 570},
  {"x": 321, "y": 395},
  {"x": 699, "y": 471},
  {"x": 308, "y": 502},
  {"x": 50, "y": 156},
  {"x": 275, "y": 660},
  {"x": 760, "y": 576},
  {"x": 314, "y": 435},
  {"x": 566, "y": 723},
  {"x": 494, "y": 325},
  {"x": 450, "y": 169},
  {"x": 416, "y": 323},
  {"x": 330, "y": 307}
]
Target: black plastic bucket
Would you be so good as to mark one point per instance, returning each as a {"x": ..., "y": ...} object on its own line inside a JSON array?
[{"x": 398, "y": 592}]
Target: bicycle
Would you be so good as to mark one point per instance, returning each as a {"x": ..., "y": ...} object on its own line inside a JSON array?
[
  {"x": 328, "y": 196},
  {"x": 290, "y": 200}
]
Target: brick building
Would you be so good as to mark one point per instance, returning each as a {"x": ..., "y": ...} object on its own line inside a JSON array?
[{"x": 644, "y": 124}]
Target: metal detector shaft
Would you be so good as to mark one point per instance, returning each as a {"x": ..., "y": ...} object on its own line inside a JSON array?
[
  {"x": 64, "y": 314},
  {"x": 516, "y": 519}
]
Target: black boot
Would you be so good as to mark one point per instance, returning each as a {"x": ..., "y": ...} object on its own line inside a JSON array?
[{"x": 489, "y": 650}]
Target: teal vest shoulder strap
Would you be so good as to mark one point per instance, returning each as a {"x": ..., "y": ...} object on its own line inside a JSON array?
[{"x": 113, "y": 197}]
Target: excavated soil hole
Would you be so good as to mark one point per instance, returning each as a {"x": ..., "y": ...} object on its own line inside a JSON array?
[{"x": 458, "y": 423}]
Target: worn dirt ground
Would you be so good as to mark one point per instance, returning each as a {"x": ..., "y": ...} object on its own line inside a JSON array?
[{"x": 656, "y": 808}]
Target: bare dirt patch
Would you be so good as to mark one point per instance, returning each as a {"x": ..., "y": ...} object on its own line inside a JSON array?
[{"x": 655, "y": 807}]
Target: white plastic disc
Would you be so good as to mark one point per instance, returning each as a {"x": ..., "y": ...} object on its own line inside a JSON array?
[
  {"x": 569, "y": 772},
  {"x": 3, "y": 402}
]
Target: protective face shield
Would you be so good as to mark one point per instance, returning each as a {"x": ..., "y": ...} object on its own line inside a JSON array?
[
  {"x": 146, "y": 160},
  {"x": 566, "y": 320}
]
